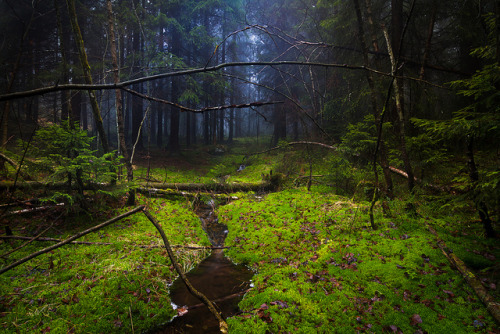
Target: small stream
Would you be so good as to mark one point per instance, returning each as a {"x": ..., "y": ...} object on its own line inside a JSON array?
[{"x": 222, "y": 281}]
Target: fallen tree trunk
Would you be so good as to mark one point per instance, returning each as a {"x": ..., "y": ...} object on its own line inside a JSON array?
[
  {"x": 174, "y": 193},
  {"x": 67, "y": 241},
  {"x": 218, "y": 300},
  {"x": 194, "y": 187},
  {"x": 27, "y": 242},
  {"x": 429, "y": 186},
  {"x": 14, "y": 165},
  {"x": 31, "y": 210},
  {"x": 491, "y": 305},
  {"x": 217, "y": 187},
  {"x": 7, "y": 185}
]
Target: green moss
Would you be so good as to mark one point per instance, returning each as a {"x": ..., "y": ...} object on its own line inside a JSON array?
[
  {"x": 321, "y": 269},
  {"x": 97, "y": 288}
]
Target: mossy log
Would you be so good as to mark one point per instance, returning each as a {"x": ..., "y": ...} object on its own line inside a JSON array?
[
  {"x": 491, "y": 305},
  {"x": 192, "y": 187},
  {"x": 34, "y": 185},
  {"x": 14, "y": 165},
  {"x": 212, "y": 187}
]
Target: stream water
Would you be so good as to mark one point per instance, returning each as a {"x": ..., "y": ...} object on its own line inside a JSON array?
[{"x": 222, "y": 281}]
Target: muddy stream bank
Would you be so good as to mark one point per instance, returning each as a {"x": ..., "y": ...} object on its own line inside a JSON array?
[{"x": 222, "y": 281}]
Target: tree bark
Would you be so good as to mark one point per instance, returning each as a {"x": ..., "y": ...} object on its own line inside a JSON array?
[
  {"x": 87, "y": 74},
  {"x": 373, "y": 98},
  {"x": 481, "y": 206},
  {"x": 491, "y": 305},
  {"x": 400, "y": 116},
  {"x": 118, "y": 97}
]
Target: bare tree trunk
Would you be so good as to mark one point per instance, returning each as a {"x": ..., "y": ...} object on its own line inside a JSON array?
[
  {"x": 63, "y": 46},
  {"x": 428, "y": 43},
  {"x": 373, "y": 95},
  {"x": 88, "y": 76},
  {"x": 399, "y": 110},
  {"x": 118, "y": 99}
]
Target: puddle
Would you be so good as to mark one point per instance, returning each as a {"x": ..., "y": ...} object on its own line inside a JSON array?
[{"x": 222, "y": 281}]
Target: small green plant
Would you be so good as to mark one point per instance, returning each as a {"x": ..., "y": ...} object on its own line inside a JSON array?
[{"x": 66, "y": 151}]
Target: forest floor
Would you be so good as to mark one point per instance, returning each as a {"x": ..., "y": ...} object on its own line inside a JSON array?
[{"x": 319, "y": 267}]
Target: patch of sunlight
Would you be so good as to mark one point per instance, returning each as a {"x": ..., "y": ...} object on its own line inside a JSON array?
[{"x": 110, "y": 265}]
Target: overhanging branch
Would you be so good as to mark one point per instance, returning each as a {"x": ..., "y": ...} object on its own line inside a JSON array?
[{"x": 124, "y": 84}]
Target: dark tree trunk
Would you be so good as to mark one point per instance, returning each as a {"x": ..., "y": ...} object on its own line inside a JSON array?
[
  {"x": 175, "y": 49},
  {"x": 373, "y": 96},
  {"x": 137, "y": 102},
  {"x": 481, "y": 206}
]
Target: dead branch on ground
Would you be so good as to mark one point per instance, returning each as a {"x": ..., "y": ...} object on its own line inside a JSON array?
[
  {"x": 67, "y": 241},
  {"x": 222, "y": 323},
  {"x": 491, "y": 305}
]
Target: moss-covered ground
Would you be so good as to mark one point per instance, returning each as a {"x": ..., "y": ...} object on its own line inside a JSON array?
[
  {"x": 319, "y": 267},
  {"x": 100, "y": 288}
]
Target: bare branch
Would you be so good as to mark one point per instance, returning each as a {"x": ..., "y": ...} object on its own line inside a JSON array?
[
  {"x": 202, "y": 110},
  {"x": 123, "y": 84},
  {"x": 296, "y": 143},
  {"x": 67, "y": 241}
]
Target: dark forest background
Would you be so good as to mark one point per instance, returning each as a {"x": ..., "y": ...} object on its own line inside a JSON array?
[{"x": 407, "y": 84}]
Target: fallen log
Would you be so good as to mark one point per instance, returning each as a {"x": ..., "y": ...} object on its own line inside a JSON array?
[
  {"x": 14, "y": 165},
  {"x": 215, "y": 187},
  {"x": 308, "y": 143},
  {"x": 7, "y": 185},
  {"x": 174, "y": 193},
  {"x": 491, "y": 305},
  {"x": 4, "y": 255},
  {"x": 218, "y": 300},
  {"x": 31, "y": 210},
  {"x": 429, "y": 186}
]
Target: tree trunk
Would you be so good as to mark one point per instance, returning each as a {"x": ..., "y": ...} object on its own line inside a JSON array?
[
  {"x": 137, "y": 102},
  {"x": 88, "y": 76},
  {"x": 400, "y": 115},
  {"x": 118, "y": 97},
  {"x": 373, "y": 97},
  {"x": 13, "y": 74},
  {"x": 481, "y": 206},
  {"x": 64, "y": 40}
]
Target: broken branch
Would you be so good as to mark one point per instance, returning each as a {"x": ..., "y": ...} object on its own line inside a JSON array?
[
  {"x": 67, "y": 241},
  {"x": 222, "y": 323}
]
